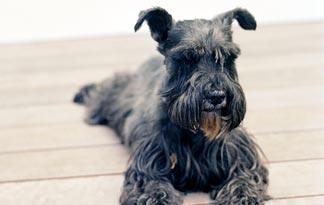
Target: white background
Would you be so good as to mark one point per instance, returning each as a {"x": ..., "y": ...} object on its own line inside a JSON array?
[{"x": 35, "y": 20}]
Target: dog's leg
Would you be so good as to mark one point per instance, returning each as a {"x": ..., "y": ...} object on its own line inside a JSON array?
[
  {"x": 247, "y": 178},
  {"x": 88, "y": 95},
  {"x": 101, "y": 99},
  {"x": 83, "y": 94},
  {"x": 140, "y": 190},
  {"x": 148, "y": 178},
  {"x": 91, "y": 95},
  {"x": 245, "y": 187}
]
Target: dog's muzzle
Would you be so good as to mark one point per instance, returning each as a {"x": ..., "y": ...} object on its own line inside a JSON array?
[{"x": 211, "y": 121}]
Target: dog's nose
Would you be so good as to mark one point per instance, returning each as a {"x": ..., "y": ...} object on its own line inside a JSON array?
[{"x": 216, "y": 99}]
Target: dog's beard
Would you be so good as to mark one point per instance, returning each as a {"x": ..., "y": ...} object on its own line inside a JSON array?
[
  {"x": 211, "y": 124},
  {"x": 187, "y": 112},
  {"x": 192, "y": 117}
]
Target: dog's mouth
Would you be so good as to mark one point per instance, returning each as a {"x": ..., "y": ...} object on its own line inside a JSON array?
[
  {"x": 214, "y": 104},
  {"x": 212, "y": 120}
]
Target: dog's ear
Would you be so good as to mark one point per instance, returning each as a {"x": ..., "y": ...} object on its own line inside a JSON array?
[
  {"x": 243, "y": 17},
  {"x": 159, "y": 21}
]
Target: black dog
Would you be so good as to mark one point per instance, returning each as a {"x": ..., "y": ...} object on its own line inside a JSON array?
[{"x": 180, "y": 115}]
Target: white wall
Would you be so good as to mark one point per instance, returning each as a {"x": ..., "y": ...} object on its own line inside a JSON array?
[{"x": 33, "y": 20}]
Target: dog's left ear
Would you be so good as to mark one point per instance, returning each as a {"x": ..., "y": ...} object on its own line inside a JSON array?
[
  {"x": 159, "y": 21},
  {"x": 243, "y": 17}
]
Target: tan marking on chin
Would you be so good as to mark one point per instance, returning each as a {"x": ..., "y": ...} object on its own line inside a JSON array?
[{"x": 211, "y": 125}]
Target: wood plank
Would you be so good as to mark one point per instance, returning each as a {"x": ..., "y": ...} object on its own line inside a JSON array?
[
  {"x": 29, "y": 96},
  {"x": 281, "y": 78},
  {"x": 55, "y": 137},
  {"x": 48, "y": 164},
  {"x": 41, "y": 115},
  {"x": 316, "y": 200},
  {"x": 284, "y": 119},
  {"x": 301, "y": 145},
  {"x": 290, "y": 180},
  {"x": 85, "y": 191},
  {"x": 63, "y": 78},
  {"x": 297, "y": 178},
  {"x": 285, "y": 97}
]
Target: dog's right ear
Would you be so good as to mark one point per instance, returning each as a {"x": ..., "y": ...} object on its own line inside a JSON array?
[{"x": 159, "y": 21}]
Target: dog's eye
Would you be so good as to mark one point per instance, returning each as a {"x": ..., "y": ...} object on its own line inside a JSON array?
[
  {"x": 184, "y": 57},
  {"x": 190, "y": 57},
  {"x": 221, "y": 55}
]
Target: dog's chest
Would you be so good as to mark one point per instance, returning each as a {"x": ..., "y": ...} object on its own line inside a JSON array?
[{"x": 192, "y": 169}]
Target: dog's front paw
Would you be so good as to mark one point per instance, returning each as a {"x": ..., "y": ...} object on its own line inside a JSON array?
[
  {"x": 236, "y": 200},
  {"x": 160, "y": 198},
  {"x": 159, "y": 193},
  {"x": 240, "y": 191}
]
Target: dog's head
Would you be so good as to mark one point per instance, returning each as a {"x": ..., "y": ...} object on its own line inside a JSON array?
[{"x": 201, "y": 89}]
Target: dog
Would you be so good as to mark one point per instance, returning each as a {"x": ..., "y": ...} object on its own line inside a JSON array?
[{"x": 180, "y": 115}]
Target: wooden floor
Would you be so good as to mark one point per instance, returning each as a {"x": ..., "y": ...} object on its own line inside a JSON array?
[{"x": 49, "y": 156}]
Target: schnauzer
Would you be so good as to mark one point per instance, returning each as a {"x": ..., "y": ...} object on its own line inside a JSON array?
[{"x": 180, "y": 115}]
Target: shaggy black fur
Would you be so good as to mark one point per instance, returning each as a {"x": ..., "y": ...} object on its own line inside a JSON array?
[{"x": 180, "y": 115}]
